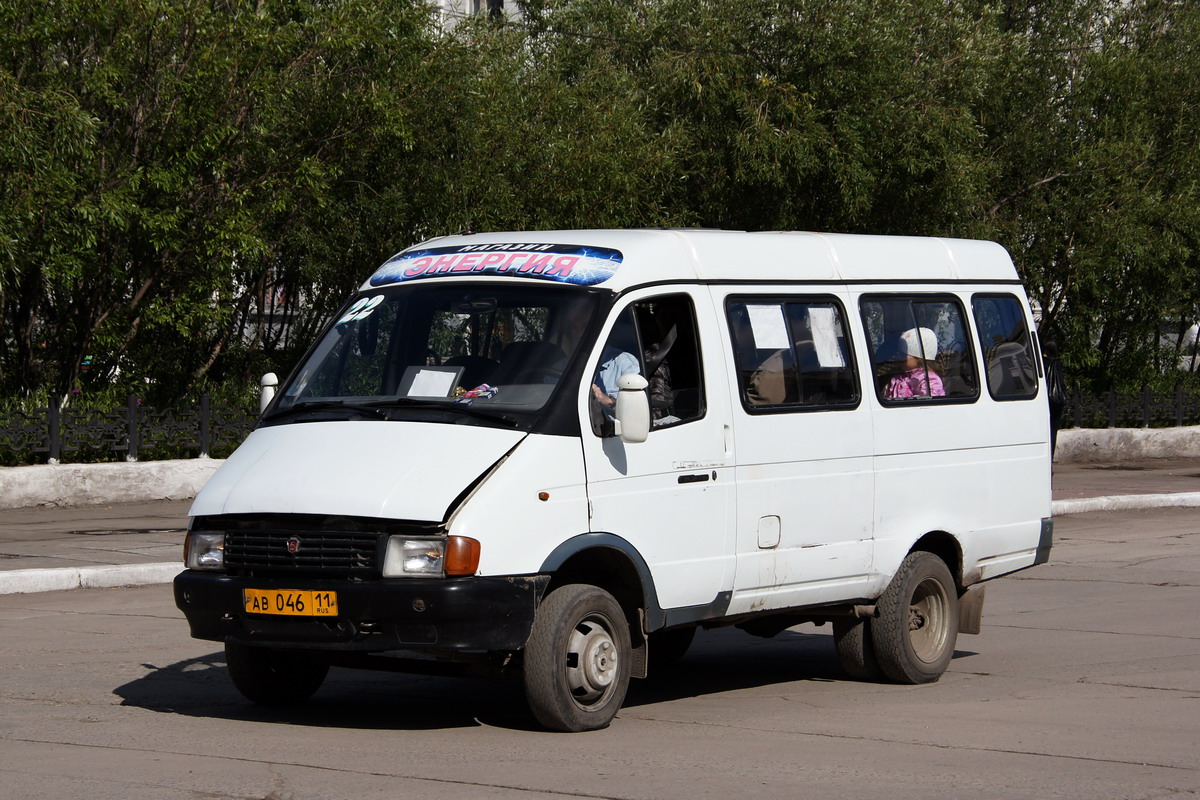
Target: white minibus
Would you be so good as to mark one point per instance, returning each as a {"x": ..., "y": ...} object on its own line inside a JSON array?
[{"x": 555, "y": 455}]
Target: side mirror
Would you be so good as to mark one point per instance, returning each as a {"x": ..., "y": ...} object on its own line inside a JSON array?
[
  {"x": 632, "y": 422},
  {"x": 266, "y": 387}
]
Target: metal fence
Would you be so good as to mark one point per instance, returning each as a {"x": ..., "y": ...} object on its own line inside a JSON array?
[
  {"x": 129, "y": 433},
  {"x": 1144, "y": 409}
]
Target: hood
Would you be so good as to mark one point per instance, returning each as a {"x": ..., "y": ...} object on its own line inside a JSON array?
[{"x": 392, "y": 470}]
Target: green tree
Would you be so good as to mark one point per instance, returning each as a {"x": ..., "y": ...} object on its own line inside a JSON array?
[
  {"x": 510, "y": 143},
  {"x": 1096, "y": 139},
  {"x": 158, "y": 156},
  {"x": 850, "y": 115},
  {"x": 171, "y": 170}
]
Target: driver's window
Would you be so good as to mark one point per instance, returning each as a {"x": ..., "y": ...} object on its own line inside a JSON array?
[{"x": 655, "y": 338}]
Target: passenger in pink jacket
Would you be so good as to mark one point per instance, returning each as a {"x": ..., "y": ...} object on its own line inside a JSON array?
[{"x": 919, "y": 347}]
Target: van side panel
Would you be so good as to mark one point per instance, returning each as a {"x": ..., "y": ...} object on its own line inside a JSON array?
[
  {"x": 804, "y": 478},
  {"x": 978, "y": 471}
]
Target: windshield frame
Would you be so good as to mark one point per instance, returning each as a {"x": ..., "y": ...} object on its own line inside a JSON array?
[{"x": 413, "y": 307}]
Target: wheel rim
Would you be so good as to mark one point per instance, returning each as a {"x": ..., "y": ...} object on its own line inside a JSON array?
[
  {"x": 593, "y": 662},
  {"x": 927, "y": 620}
]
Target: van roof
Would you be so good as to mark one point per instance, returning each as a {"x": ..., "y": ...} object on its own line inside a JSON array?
[{"x": 623, "y": 259}]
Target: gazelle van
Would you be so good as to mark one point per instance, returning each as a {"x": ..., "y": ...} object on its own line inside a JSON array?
[{"x": 555, "y": 455}]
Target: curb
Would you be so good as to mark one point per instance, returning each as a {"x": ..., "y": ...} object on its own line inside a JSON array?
[
  {"x": 1092, "y": 445},
  {"x": 29, "y": 581},
  {"x": 1125, "y": 502},
  {"x": 65, "y": 485}
]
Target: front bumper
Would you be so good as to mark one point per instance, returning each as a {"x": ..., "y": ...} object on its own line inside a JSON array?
[{"x": 452, "y": 614}]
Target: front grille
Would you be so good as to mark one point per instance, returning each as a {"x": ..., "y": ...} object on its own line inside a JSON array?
[{"x": 323, "y": 552}]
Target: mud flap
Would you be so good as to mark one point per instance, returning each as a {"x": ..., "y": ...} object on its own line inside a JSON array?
[
  {"x": 970, "y": 610},
  {"x": 640, "y": 642}
]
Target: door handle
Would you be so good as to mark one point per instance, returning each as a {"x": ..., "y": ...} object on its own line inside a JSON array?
[{"x": 700, "y": 478}]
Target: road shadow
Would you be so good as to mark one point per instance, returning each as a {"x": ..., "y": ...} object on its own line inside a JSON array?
[
  {"x": 357, "y": 699},
  {"x": 725, "y": 660}
]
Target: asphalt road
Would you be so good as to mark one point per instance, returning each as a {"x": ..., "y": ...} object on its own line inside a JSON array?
[{"x": 1085, "y": 683}]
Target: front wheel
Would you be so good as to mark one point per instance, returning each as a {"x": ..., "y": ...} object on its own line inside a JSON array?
[
  {"x": 273, "y": 677},
  {"x": 577, "y": 660},
  {"x": 917, "y": 623}
]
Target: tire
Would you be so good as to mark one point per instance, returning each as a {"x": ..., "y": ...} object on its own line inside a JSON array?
[
  {"x": 667, "y": 647},
  {"x": 917, "y": 623},
  {"x": 273, "y": 677},
  {"x": 855, "y": 650},
  {"x": 577, "y": 659}
]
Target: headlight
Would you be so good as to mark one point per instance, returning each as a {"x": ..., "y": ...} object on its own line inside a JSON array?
[
  {"x": 204, "y": 550},
  {"x": 431, "y": 557}
]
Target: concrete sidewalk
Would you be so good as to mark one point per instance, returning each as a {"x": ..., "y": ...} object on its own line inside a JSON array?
[
  {"x": 46, "y": 549},
  {"x": 121, "y": 544}
]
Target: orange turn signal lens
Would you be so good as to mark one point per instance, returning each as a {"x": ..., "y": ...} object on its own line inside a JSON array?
[{"x": 462, "y": 555}]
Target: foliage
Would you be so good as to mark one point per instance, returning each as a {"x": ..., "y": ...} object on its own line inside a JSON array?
[
  {"x": 163, "y": 156},
  {"x": 189, "y": 188},
  {"x": 1098, "y": 195},
  {"x": 852, "y": 115}
]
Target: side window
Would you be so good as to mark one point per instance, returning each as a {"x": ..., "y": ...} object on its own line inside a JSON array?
[
  {"x": 920, "y": 350},
  {"x": 1007, "y": 347},
  {"x": 657, "y": 339},
  {"x": 792, "y": 354}
]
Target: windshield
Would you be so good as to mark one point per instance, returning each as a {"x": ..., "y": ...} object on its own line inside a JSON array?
[{"x": 480, "y": 350}]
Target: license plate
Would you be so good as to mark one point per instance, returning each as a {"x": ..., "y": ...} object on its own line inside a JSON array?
[{"x": 290, "y": 602}]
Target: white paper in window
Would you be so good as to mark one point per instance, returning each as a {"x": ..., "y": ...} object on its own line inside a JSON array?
[
  {"x": 429, "y": 381},
  {"x": 825, "y": 329},
  {"x": 768, "y": 327}
]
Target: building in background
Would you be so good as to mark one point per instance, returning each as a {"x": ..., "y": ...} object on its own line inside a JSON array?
[{"x": 453, "y": 10}]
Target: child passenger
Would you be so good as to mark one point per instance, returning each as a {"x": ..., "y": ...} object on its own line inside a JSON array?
[{"x": 918, "y": 347}]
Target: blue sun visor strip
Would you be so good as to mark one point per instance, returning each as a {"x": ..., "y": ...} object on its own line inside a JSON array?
[{"x": 562, "y": 263}]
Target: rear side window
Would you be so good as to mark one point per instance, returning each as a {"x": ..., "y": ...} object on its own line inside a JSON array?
[
  {"x": 1007, "y": 347},
  {"x": 793, "y": 354},
  {"x": 920, "y": 349}
]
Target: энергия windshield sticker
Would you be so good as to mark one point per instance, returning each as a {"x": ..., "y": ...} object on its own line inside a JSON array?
[{"x": 563, "y": 263}]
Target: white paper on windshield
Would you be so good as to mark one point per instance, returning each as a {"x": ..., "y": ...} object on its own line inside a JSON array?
[
  {"x": 768, "y": 327},
  {"x": 429, "y": 381},
  {"x": 823, "y": 322}
]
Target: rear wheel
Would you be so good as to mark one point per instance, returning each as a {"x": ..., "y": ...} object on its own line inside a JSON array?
[
  {"x": 916, "y": 626},
  {"x": 855, "y": 650},
  {"x": 577, "y": 660},
  {"x": 273, "y": 677}
]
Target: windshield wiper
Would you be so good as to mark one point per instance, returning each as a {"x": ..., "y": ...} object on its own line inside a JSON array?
[
  {"x": 366, "y": 409},
  {"x": 463, "y": 408}
]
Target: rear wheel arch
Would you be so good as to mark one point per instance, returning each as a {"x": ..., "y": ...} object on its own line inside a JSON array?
[{"x": 946, "y": 547}]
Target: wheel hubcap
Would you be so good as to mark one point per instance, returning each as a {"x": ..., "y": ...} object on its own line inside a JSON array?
[
  {"x": 927, "y": 620},
  {"x": 592, "y": 660}
]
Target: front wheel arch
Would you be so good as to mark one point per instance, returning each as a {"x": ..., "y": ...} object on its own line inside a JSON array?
[{"x": 610, "y": 562}]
